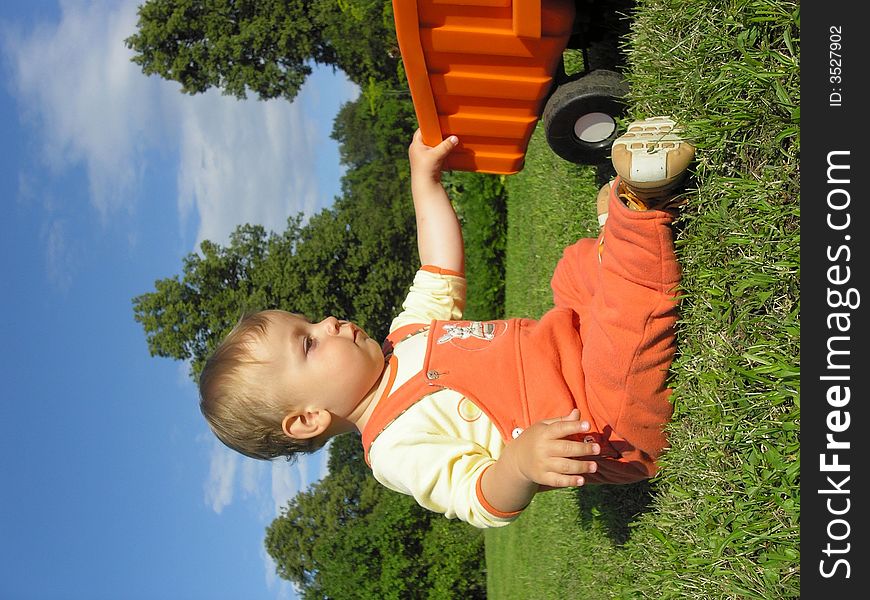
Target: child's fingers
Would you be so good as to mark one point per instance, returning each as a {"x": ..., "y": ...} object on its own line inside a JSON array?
[
  {"x": 567, "y": 473},
  {"x": 574, "y": 415},
  {"x": 569, "y": 466},
  {"x": 416, "y": 143},
  {"x": 560, "y": 480},
  {"x": 446, "y": 145},
  {"x": 562, "y": 429},
  {"x": 430, "y": 155},
  {"x": 570, "y": 448}
]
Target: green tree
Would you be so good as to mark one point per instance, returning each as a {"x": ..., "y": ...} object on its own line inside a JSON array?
[
  {"x": 353, "y": 260},
  {"x": 263, "y": 46},
  {"x": 481, "y": 203},
  {"x": 349, "y": 537},
  {"x": 185, "y": 316},
  {"x": 362, "y": 35},
  {"x": 375, "y": 127}
]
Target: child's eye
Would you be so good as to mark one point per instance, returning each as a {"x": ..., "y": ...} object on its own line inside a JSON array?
[{"x": 307, "y": 343}]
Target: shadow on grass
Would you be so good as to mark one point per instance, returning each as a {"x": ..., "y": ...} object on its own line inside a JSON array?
[{"x": 613, "y": 507}]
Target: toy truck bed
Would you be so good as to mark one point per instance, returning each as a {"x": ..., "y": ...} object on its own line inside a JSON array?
[
  {"x": 488, "y": 70},
  {"x": 482, "y": 70}
]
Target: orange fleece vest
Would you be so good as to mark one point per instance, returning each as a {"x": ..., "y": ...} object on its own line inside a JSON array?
[{"x": 518, "y": 372}]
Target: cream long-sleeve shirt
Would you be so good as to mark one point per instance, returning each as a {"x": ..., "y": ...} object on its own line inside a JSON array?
[{"x": 437, "y": 450}]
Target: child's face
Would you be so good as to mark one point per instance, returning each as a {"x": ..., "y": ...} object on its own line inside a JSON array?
[{"x": 331, "y": 364}]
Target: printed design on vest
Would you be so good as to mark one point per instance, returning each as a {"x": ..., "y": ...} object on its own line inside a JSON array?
[
  {"x": 471, "y": 335},
  {"x": 468, "y": 411}
]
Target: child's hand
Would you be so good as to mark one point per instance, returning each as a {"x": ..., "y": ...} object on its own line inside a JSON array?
[
  {"x": 427, "y": 161},
  {"x": 540, "y": 458},
  {"x": 544, "y": 455}
]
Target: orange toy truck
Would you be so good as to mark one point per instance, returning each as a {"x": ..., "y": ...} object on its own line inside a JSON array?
[{"x": 489, "y": 70}]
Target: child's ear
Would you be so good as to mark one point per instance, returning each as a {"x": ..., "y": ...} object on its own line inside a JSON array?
[{"x": 306, "y": 424}]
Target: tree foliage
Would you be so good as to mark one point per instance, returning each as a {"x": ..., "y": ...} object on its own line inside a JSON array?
[
  {"x": 481, "y": 204},
  {"x": 349, "y": 537},
  {"x": 184, "y": 316},
  {"x": 263, "y": 46},
  {"x": 362, "y": 36},
  {"x": 354, "y": 260},
  {"x": 386, "y": 117}
]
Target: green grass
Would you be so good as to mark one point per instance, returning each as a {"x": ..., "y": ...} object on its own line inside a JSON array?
[
  {"x": 721, "y": 518},
  {"x": 551, "y": 203}
]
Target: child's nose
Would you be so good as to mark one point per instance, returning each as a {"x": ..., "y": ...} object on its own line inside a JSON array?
[{"x": 332, "y": 325}]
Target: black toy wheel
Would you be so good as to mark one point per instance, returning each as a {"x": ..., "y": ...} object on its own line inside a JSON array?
[{"x": 580, "y": 116}]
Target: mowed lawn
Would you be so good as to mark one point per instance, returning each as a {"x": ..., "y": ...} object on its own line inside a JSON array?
[{"x": 721, "y": 518}]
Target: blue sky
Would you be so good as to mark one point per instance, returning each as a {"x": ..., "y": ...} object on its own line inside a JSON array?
[{"x": 113, "y": 486}]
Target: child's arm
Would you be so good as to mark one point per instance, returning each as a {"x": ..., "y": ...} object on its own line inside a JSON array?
[
  {"x": 439, "y": 236},
  {"x": 540, "y": 456}
]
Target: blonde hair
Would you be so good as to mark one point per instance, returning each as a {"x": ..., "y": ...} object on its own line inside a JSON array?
[{"x": 242, "y": 411}]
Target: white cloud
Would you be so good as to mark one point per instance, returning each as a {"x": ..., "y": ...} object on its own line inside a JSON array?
[
  {"x": 90, "y": 107},
  {"x": 229, "y": 472},
  {"x": 244, "y": 162},
  {"x": 59, "y": 260},
  {"x": 76, "y": 85},
  {"x": 251, "y": 478},
  {"x": 287, "y": 480},
  {"x": 220, "y": 484},
  {"x": 322, "y": 464},
  {"x": 283, "y": 590}
]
